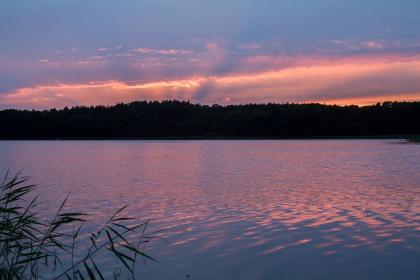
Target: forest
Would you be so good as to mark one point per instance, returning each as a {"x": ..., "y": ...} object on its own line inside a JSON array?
[{"x": 182, "y": 119}]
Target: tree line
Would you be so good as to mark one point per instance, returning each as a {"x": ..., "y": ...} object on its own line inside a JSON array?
[{"x": 152, "y": 119}]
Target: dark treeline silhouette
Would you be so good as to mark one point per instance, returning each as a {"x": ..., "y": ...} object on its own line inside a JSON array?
[{"x": 183, "y": 119}]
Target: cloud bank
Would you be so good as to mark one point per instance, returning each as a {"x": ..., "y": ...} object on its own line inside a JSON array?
[{"x": 356, "y": 80}]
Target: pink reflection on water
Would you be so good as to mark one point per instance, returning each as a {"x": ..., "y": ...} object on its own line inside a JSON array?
[{"x": 238, "y": 199}]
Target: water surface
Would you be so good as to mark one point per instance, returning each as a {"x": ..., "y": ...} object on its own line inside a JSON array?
[{"x": 310, "y": 209}]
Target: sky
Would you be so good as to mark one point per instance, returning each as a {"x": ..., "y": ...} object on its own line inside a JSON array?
[{"x": 57, "y": 53}]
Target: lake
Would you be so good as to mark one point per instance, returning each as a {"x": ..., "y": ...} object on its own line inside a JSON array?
[{"x": 257, "y": 209}]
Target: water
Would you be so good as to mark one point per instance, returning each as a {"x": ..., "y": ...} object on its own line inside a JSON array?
[{"x": 344, "y": 209}]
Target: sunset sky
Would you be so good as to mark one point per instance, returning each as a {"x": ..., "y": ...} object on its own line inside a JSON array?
[{"x": 60, "y": 53}]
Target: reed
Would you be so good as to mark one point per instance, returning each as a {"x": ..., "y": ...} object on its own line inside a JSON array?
[{"x": 31, "y": 248}]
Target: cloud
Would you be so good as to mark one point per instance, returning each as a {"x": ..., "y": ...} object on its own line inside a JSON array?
[
  {"x": 172, "y": 52},
  {"x": 105, "y": 92},
  {"x": 349, "y": 46},
  {"x": 373, "y": 45},
  {"x": 199, "y": 57},
  {"x": 212, "y": 46},
  {"x": 358, "y": 80}
]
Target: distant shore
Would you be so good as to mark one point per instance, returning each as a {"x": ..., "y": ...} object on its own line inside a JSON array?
[
  {"x": 176, "y": 120},
  {"x": 414, "y": 139}
]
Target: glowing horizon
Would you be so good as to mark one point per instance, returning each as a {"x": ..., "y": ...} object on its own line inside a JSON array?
[{"x": 302, "y": 82}]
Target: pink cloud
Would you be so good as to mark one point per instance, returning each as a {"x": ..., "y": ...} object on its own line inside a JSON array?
[
  {"x": 164, "y": 52},
  {"x": 373, "y": 45},
  {"x": 358, "y": 80}
]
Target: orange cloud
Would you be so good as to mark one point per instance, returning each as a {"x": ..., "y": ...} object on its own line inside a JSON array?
[
  {"x": 108, "y": 92},
  {"x": 359, "y": 80}
]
